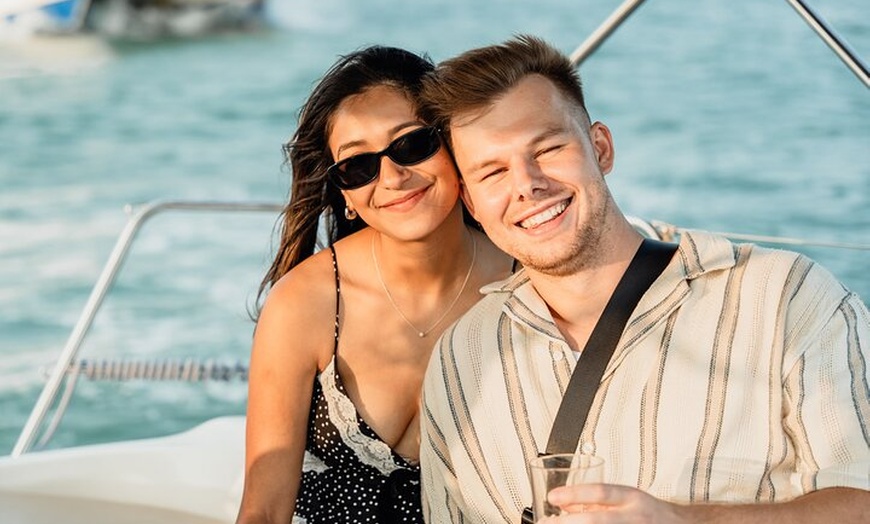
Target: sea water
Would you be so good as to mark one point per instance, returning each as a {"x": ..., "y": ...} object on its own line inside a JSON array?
[{"x": 728, "y": 115}]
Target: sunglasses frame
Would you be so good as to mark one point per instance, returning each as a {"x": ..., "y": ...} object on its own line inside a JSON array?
[{"x": 334, "y": 173}]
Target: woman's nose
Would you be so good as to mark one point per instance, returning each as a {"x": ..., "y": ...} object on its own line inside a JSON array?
[{"x": 393, "y": 175}]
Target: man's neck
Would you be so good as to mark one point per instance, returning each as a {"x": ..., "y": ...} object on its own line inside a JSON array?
[{"x": 576, "y": 301}]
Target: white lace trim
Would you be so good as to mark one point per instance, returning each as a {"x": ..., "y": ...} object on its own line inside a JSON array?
[
  {"x": 310, "y": 462},
  {"x": 343, "y": 414}
]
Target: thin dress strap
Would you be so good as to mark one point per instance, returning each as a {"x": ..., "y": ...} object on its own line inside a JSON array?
[{"x": 337, "y": 296}]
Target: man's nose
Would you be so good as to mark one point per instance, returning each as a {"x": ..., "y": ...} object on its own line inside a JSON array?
[{"x": 528, "y": 177}]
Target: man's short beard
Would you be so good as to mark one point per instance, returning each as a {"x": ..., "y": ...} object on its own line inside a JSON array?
[{"x": 582, "y": 252}]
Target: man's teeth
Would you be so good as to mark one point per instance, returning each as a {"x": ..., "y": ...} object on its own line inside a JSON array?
[{"x": 544, "y": 216}]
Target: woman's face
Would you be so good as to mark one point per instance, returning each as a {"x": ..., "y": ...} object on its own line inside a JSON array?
[{"x": 405, "y": 202}]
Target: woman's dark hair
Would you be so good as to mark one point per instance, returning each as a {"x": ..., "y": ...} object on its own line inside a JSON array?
[{"x": 307, "y": 152}]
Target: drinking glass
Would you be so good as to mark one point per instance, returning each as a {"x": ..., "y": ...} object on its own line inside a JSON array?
[{"x": 565, "y": 469}]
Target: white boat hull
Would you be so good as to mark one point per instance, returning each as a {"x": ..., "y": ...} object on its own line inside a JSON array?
[{"x": 193, "y": 477}]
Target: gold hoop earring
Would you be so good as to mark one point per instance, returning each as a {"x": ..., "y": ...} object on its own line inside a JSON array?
[{"x": 350, "y": 213}]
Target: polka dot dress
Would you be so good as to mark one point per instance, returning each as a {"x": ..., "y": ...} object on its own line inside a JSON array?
[
  {"x": 349, "y": 490},
  {"x": 358, "y": 478}
]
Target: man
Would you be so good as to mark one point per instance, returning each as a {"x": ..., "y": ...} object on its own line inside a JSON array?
[{"x": 738, "y": 390}]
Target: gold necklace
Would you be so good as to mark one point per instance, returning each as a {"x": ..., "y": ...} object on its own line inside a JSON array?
[{"x": 423, "y": 333}]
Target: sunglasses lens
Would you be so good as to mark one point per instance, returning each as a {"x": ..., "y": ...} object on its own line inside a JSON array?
[
  {"x": 406, "y": 150},
  {"x": 355, "y": 171},
  {"x": 415, "y": 147}
]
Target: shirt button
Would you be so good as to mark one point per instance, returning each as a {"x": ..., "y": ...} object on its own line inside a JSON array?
[
  {"x": 558, "y": 356},
  {"x": 587, "y": 448}
]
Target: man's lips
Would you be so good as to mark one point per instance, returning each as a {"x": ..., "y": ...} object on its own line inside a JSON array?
[{"x": 545, "y": 215}]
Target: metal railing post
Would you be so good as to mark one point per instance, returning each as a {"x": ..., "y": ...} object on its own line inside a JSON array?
[
  {"x": 833, "y": 40},
  {"x": 603, "y": 31},
  {"x": 98, "y": 294}
]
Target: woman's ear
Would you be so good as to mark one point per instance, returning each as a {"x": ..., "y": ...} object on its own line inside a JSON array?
[{"x": 349, "y": 212}]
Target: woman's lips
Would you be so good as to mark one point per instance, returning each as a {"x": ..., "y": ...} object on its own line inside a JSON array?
[{"x": 405, "y": 202}]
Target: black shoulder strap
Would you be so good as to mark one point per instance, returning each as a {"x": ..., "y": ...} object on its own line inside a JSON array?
[
  {"x": 337, "y": 299},
  {"x": 648, "y": 263}
]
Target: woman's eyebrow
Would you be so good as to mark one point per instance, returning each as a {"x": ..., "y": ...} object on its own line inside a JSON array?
[{"x": 393, "y": 130}]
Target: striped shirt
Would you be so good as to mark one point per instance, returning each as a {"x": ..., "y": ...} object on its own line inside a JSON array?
[{"x": 741, "y": 376}]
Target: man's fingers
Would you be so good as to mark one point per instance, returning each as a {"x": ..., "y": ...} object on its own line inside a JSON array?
[
  {"x": 590, "y": 495},
  {"x": 585, "y": 508}
]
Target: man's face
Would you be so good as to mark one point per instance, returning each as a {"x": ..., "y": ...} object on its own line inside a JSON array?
[{"x": 533, "y": 172}]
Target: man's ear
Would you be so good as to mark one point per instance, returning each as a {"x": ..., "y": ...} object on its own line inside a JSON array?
[
  {"x": 466, "y": 199},
  {"x": 602, "y": 144}
]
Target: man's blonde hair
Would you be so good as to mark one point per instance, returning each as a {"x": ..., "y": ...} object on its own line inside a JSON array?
[{"x": 474, "y": 80}]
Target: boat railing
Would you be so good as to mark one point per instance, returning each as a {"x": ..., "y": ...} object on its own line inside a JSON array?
[
  {"x": 70, "y": 369},
  {"x": 818, "y": 24},
  {"x": 66, "y": 361},
  {"x": 122, "y": 370}
]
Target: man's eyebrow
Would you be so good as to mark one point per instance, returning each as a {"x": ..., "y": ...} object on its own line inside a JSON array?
[
  {"x": 548, "y": 132},
  {"x": 479, "y": 167},
  {"x": 392, "y": 131}
]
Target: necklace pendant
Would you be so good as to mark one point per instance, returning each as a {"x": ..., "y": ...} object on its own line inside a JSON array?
[{"x": 422, "y": 334}]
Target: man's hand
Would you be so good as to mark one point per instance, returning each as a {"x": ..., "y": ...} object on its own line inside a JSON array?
[{"x": 612, "y": 504}]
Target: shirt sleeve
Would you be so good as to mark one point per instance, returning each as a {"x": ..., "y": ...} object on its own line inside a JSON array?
[{"x": 827, "y": 401}]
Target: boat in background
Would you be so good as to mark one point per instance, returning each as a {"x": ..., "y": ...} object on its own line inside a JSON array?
[
  {"x": 196, "y": 476},
  {"x": 129, "y": 19},
  {"x": 149, "y": 19},
  {"x": 25, "y": 17}
]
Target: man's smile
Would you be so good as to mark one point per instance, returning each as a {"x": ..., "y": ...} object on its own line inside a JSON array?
[{"x": 546, "y": 215}]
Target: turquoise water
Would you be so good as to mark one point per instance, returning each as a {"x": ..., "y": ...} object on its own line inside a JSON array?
[{"x": 731, "y": 118}]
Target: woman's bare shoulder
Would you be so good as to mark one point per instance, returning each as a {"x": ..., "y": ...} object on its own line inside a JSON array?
[
  {"x": 299, "y": 309},
  {"x": 313, "y": 279}
]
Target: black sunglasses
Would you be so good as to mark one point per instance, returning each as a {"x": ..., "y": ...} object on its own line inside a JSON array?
[{"x": 407, "y": 150}]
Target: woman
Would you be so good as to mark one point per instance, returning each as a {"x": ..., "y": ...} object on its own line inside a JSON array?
[{"x": 345, "y": 333}]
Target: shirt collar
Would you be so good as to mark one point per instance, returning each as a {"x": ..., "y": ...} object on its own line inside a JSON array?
[{"x": 699, "y": 253}]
